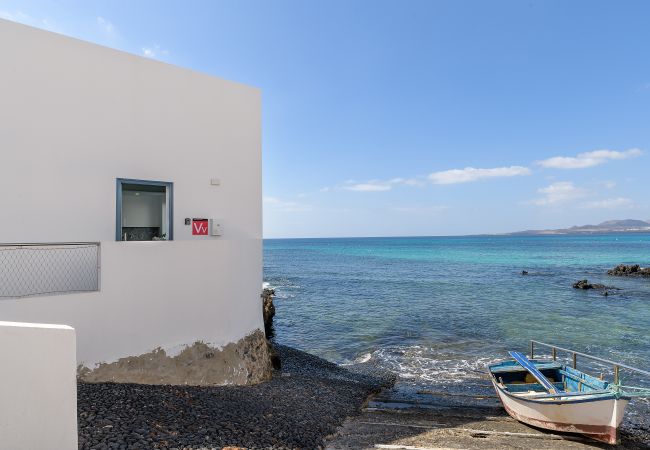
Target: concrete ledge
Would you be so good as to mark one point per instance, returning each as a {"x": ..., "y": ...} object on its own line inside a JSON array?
[
  {"x": 244, "y": 362},
  {"x": 38, "y": 386}
]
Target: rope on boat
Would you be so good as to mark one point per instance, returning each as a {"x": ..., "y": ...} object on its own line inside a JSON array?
[{"x": 636, "y": 391}]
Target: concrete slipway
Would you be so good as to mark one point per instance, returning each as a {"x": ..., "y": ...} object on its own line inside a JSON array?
[{"x": 457, "y": 416}]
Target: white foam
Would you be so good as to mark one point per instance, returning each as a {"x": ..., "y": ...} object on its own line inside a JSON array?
[
  {"x": 425, "y": 364},
  {"x": 282, "y": 288},
  {"x": 363, "y": 358}
]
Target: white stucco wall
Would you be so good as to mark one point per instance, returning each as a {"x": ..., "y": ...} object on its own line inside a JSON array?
[
  {"x": 38, "y": 387},
  {"x": 156, "y": 294},
  {"x": 74, "y": 117}
]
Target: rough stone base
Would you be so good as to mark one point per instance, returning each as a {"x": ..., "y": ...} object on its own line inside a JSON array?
[{"x": 244, "y": 362}]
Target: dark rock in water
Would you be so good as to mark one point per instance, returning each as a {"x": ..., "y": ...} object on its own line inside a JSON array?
[
  {"x": 268, "y": 310},
  {"x": 524, "y": 272},
  {"x": 623, "y": 270},
  {"x": 585, "y": 284}
]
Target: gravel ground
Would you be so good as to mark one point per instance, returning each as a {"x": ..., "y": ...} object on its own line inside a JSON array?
[{"x": 298, "y": 409}]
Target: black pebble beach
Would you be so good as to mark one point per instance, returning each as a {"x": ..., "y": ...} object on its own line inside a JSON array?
[{"x": 297, "y": 409}]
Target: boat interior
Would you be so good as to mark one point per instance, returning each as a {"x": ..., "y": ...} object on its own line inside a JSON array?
[{"x": 516, "y": 380}]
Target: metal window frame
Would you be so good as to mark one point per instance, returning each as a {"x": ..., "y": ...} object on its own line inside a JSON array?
[{"x": 169, "y": 193}]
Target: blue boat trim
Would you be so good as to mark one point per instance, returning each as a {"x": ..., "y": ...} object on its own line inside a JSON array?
[
  {"x": 566, "y": 394},
  {"x": 515, "y": 367},
  {"x": 592, "y": 398}
]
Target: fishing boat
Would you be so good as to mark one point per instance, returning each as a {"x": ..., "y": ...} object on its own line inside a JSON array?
[{"x": 555, "y": 396}]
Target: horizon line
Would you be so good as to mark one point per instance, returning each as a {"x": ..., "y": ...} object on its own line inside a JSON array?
[{"x": 507, "y": 234}]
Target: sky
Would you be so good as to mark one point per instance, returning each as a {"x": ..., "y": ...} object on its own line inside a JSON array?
[{"x": 400, "y": 118}]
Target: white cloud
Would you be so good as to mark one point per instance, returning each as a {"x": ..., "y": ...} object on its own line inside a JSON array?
[
  {"x": 469, "y": 174},
  {"x": 558, "y": 193},
  {"x": 453, "y": 176},
  {"x": 371, "y": 186},
  {"x": 17, "y": 16},
  {"x": 26, "y": 19},
  {"x": 588, "y": 159},
  {"x": 107, "y": 28},
  {"x": 413, "y": 182},
  {"x": 610, "y": 203},
  {"x": 276, "y": 204},
  {"x": 380, "y": 185},
  {"x": 154, "y": 52}
]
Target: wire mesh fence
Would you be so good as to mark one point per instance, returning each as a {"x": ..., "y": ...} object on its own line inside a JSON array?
[{"x": 40, "y": 269}]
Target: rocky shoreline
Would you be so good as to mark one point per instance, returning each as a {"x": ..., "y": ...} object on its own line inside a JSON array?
[{"x": 298, "y": 409}]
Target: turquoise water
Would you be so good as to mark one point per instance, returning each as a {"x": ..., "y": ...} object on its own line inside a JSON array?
[{"x": 428, "y": 307}]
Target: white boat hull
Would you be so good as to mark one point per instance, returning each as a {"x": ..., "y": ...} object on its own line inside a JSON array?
[{"x": 594, "y": 417}]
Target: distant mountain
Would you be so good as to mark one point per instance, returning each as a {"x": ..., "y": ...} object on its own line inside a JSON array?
[
  {"x": 609, "y": 226},
  {"x": 625, "y": 223}
]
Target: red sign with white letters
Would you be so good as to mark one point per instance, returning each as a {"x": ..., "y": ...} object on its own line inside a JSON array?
[{"x": 199, "y": 227}]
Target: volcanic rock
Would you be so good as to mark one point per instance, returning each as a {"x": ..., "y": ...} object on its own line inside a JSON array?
[
  {"x": 623, "y": 270},
  {"x": 285, "y": 413},
  {"x": 268, "y": 310},
  {"x": 585, "y": 284}
]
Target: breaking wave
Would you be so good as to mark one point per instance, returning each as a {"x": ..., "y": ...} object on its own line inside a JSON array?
[
  {"x": 283, "y": 287},
  {"x": 422, "y": 364}
]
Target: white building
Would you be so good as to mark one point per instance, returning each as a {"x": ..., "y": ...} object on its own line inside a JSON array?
[{"x": 110, "y": 150}]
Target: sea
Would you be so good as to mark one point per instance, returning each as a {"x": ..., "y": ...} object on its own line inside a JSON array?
[{"x": 440, "y": 309}]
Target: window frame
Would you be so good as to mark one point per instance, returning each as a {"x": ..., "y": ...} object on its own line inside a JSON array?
[{"x": 169, "y": 194}]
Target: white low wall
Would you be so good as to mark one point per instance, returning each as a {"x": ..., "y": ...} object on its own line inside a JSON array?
[
  {"x": 38, "y": 387},
  {"x": 157, "y": 294}
]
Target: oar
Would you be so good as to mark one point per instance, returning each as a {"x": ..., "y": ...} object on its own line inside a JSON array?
[{"x": 539, "y": 376}]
